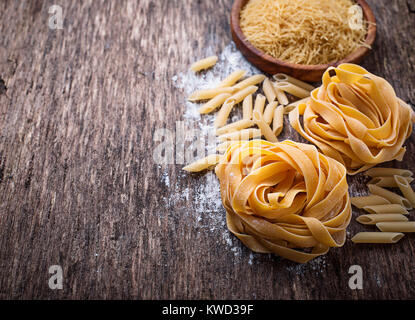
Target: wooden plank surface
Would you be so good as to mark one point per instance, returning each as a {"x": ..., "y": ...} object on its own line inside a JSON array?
[{"x": 78, "y": 184}]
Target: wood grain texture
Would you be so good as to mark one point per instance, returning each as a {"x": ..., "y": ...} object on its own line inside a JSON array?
[{"x": 79, "y": 187}]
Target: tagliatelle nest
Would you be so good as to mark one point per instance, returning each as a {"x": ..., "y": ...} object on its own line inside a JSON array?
[
  {"x": 284, "y": 198},
  {"x": 355, "y": 118}
]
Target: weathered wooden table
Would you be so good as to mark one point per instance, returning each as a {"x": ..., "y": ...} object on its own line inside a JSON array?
[{"x": 78, "y": 184}]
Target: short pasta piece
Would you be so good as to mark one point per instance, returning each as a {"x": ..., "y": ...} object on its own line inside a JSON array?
[
  {"x": 407, "y": 226},
  {"x": 225, "y": 145},
  {"x": 214, "y": 103},
  {"x": 232, "y": 78},
  {"x": 235, "y": 126},
  {"x": 264, "y": 127},
  {"x": 391, "y": 196},
  {"x": 240, "y": 95},
  {"x": 203, "y": 164},
  {"x": 380, "y": 217},
  {"x": 269, "y": 111},
  {"x": 295, "y": 104},
  {"x": 209, "y": 93},
  {"x": 377, "y": 237},
  {"x": 244, "y": 134},
  {"x": 282, "y": 77},
  {"x": 223, "y": 113},
  {"x": 406, "y": 189},
  {"x": 251, "y": 81},
  {"x": 386, "y": 208},
  {"x": 281, "y": 96},
  {"x": 388, "y": 172},
  {"x": 278, "y": 122},
  {"x": 292, "y": 89},
  {"x": 269, "y": 91},
  {"x": 371, "y": 200},
  {"x": 204, "y": 64},
  {"x": 247, "y": 108},
  {"x": 259, "y": 103},
  {"x": 388, "y": 182}
]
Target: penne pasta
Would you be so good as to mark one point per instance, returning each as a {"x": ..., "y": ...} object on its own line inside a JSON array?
[
  {"x": 203, "y": 164},
  {"x": 389, "y": 195},
  {"x": 292, "y": 89},
  {"x": 405, "y": 188},
  {"x": 259, "y": 103},
  {"x": 234, "y": 77},
  {"x": 240, "y": 95},
  {"x": 223, "y": 114},
  {"x": 235, "y": 126},
  {"x": 269, "y": 91},
  {"x": 209, "y": 93},
  {"x": 371, "y": 200},
  {"x": 380, "y": 217},
  {"x": 282, "y": 77},
  {"x": 204, "y": 63},
  {"x": 214, "y": 103},
  {"x": 295, "y": 104},
  {"x": 377, "y": 237},
  {"x": 407, "y": 226},
  {"x": 388, "y": 182},
  {"x": 264, "y": 127},
  {"x": 388, "y": 172},
  {"x": 386, "y": 208},
  {"x": 244, "y": 134},
  {"x": 269, "y": 111},
  {"x": 278, "y": 122},
  {"x": 281, "y": 96},
  {"x": 251, "y": 81},
  {"x": 247, "y": 108}
]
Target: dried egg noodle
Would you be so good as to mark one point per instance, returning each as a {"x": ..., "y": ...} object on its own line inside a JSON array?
[
  {"x": 355, "y": 118},
  {"x": 284, "y": 198}
]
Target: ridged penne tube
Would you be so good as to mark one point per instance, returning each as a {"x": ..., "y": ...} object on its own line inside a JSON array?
[
  {"x": 292, "y": 89},
  {"x": 370, "y": 200},
  {"x": 377, "y": 237},
  {"x": 204, "y": 63},
  {"x": 269, "y": 111},
  {"x": 355, "y": 118},
  {"x": 244, "y": 134},
  {"x": 388, "y": 182},
  {"x": 388, "y": 172},
  {"x": 209, "y": 93},
  {"x": 235, "y": 126},
  {"x": 406, "y": 189},
  {"x": 281, "y": 96},
  {"x": 234, "y": 77},
  {"x": 407, "y": 226},
  {"x": 295, "y": 104},
  {"x": 251, "y": 81},
  {"x": 247, "y": 108},
  {"x": 203, "y": 164},
  {"x": 240, "y": 95},
  {"x": 223, "y": 113},
  {"x": 278, "y": 122},
  {"x": 308, "y": 210},
  {"x": 389, "y": 195},
  {"x": 380, "y": 217},
  {"x": 386, "y": 208},
  {"x": 259, "y": 103},
  {"x": 214, "y": 103},
  {"x": 264, "y": 127},
  {"x": 269, "y": 91},
  {"x": 282, "y": 77}
]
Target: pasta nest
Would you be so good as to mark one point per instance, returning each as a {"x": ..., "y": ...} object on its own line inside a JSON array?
[
  {"x": 355, "y": 118},
  {"x": 284, "y": 198}
]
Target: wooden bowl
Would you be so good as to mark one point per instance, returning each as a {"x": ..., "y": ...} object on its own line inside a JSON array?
[{"x": 311, "y": 73}]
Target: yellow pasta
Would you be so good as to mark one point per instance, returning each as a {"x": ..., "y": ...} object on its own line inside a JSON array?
[
  {"x": 385, "y": 208},
  {"x": 235, "y": 126},
  {"x": 388, "y": 182},
  {"x": 282, "y": 77},
  {"x": 259, "y": 103},
  {"x": 230, "y": 80},
  {"x": 247, "y": 108},
  {"x": 406, "y": 189},
  {"x": 268, "y": 89},
  {"x": 371, "y": 200},
  {"x": 241, "y": 95},
  {"x": 209, "y": 93},
  {"x": 388, "y": 172},
  {"x": 355, "y": 118},
  {"x": 377, "y": 237},
  {"x": 264, "y": 127},
  {"x": 380, "y": 217},
  {"x": 281, "y": 96},
  {"x": 391, "y": 196},
  {"x": 278, "y": 122},
  {"x": 244, "y": 134},
  {"x": 284, "y": 197},
  {"x": 269, "y": 111},
  {"x": 251, "y": 81},
  {"x": 225, "y": 145},
  {"x": 214, "y": 103},
  {"x": 203, "y": 164},
  {"x": 224, "y": 112},
  {"x": 408, "y": 226},
  {"x": 204, "y": 63},
  {"x": 292, "y": 89},
  {"x": 295, "y": 104}
]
